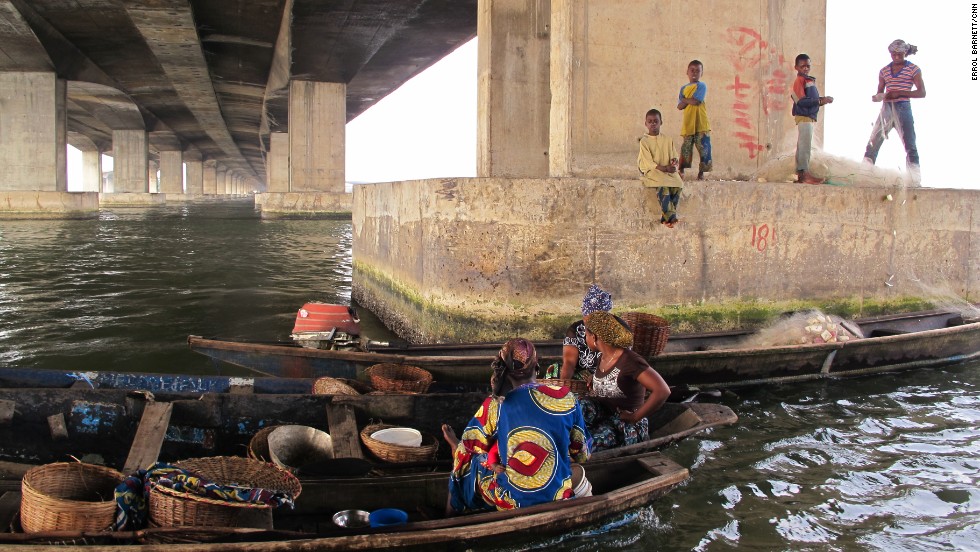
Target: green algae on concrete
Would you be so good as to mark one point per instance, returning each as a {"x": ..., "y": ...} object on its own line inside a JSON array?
[{"x": 418, "y": 319}]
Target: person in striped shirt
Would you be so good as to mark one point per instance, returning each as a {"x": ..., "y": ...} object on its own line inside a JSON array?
[{"x": 898, "y": 82}]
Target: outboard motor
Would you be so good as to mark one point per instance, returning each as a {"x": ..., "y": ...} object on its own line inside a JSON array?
[{"x": 327, "y": 326}]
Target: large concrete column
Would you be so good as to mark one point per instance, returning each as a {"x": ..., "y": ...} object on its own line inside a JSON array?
[
  {"x": 129, "y": 162},
  {"x": 513, "y": 91},
  {"x": 219, "y": 179},
  {"x": 229, "y": 179},
  {"x": 317, "y": 130},
  {"x": 91, "y": 171},
  {"x": 171, "y": 172},
  {"x": 608, "y": 68},
  {"x": 278, "y": 161},
  {"x": 210, "y": 177},
  {"x": 317, "y": 127},
  {"x": 195, "y": 173},
  {"x": 152, "y": 176},
  {"x": 32, "y": 132}
]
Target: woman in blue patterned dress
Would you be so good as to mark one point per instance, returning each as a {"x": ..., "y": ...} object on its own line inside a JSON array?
[{"x": 538, "y": 430}]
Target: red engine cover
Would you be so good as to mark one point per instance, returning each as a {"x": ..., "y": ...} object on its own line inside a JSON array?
[{"x": 323, "y": 317}]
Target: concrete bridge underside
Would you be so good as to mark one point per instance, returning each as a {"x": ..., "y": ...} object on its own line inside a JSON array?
[{"x": 159, "y": 84}]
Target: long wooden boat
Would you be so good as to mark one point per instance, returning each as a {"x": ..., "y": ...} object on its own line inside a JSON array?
[
  {"x": 894, "y": 342},
  {"x": 46, "y": 424},
  {"x": 618, "y": 485}
]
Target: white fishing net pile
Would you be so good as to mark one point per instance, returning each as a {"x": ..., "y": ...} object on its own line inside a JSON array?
[
  {"x": 839, "y": 171},
  {"x": 803, "y": 328}
]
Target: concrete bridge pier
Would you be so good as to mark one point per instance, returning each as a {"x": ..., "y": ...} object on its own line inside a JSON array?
[
  {"x": 130, "y": 171},
  {"x": 209, "y": 177},
  {"x": 33, "y": 155},
  {"x": 194, "y": 181},
  {"x": 314, "y": 158}
]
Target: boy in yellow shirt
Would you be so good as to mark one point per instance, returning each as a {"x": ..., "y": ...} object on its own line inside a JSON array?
[
  {"x": 657, "y": 163},
  {"x": 695, "y": 127}
]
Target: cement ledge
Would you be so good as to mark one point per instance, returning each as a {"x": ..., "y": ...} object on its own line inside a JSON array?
[
  {"x": 304, "y": 205},
  {"x": 27, "y": 205}
]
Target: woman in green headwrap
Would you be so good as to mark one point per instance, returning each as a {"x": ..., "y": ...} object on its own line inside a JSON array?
[{"x": 617, "y": 406}]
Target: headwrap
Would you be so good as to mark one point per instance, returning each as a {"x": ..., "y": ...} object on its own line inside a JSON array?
[
  {"x": 596, "y": 300},
  {"x": 517, "y": 359},
  {"x": 902, "y": 47},
  {"x": 608, "y": 328}
]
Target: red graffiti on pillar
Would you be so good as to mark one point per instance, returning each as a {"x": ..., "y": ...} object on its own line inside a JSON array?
[{"x": 762, "y": 236}]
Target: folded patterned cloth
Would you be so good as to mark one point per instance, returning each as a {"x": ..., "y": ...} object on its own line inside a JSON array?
[{"x": 132, "y": 494}]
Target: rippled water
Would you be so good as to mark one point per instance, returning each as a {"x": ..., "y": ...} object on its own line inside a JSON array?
[{"x": 888, "y": 462}]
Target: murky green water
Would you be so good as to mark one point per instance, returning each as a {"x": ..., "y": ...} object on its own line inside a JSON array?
[{"x": 890, "y": 462}]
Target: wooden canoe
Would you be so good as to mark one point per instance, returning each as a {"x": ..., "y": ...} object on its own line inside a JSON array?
[
  {"x": 893, "y": 342},
  {"x": 53, "y": 424},
  {"x": 618, "y": 485}
]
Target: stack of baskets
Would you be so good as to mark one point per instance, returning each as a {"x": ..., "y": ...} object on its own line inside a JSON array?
[
  {"x": 258, "y": 446},
  {"x": 398, "y": 454},
  {"x": 68, "y": 496},
  {"x": 649, "y": 333},
  {"x": 171, "y": 508},
  {"x": 399, "y": 378}
]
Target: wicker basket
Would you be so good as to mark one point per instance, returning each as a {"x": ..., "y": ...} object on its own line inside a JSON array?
[
  {"x": 258, "y": 446},
  {"x": 399, "y": 378},
  {"x": 579, "y": 387},
  {"x": 332, "y": 386},
  {"x": 68, "y": 496},
  {"x": 398, "y": 454},
  {"x": 649, "y": 333},
  {"x": 170, "y": 508}
]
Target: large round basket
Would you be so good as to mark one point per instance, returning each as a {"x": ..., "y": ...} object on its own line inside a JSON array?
[
  {"x": 68, "y": 496},
  {"x": 579, "y": 387},
  {"x": 399, "y": 378},
  {"x": 398, "y": 454},
  {"x": 332, "y": 386},
  {"x": 170, "y": 508},
  {"x": 649, "y": 333},
  {"x": 258, "y": 446}
]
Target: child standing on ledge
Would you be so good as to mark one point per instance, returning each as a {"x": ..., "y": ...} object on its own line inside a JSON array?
[
  {"x": 806, "y": 104},
  {"x": 695, "y": 127},
  {"x": 657, "y": 163}
]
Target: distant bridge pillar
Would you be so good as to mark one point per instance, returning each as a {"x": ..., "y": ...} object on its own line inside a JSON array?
[
  {"x": 210, "y": 177},
  {"x": 194, "y": 183},
  {"x": 229, "y": 182},
  {"x": 315, "y": 160},
  {"x": 219, "y": 179},
  {"x": 278, "y": 178},
  {"x": 152, "y": 175},
  {"x": 91, "y": 170},
  {"x": 513, "y": 88},
  {"x": 129, "y": 162}
]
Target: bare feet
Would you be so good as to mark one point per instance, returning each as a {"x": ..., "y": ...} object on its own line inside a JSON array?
[
  {"x": 700, "y": 175},
  {"x": 450, "y": 436},
  {"x": 810, "y": 179}
]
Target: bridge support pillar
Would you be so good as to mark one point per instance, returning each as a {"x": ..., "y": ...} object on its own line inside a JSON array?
[
  {"x": 194, "y": 182},
  {"x": 278, "y": 162},
  {"x": 513, "y": 88},
  {"x": 317, "y": 133},
  {"x": 91, "y": 171},
  {"x": 171, "y": 172},
  {"x": 130, "y": 171},
  {"x": 219, "y": 180},
  {"x": 210, "y": 177}
]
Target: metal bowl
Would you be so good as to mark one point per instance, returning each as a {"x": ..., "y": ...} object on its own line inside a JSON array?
[{"x": 352, "y": 518}]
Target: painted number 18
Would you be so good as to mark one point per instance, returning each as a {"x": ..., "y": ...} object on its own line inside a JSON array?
[{"x": 762, "y": 235}]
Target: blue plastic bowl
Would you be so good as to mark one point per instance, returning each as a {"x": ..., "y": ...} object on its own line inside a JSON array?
[{"x": 388, "y": 516}]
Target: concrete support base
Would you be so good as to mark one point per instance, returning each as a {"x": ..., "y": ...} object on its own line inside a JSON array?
[
  {"x": 304, "y": 204},
  {"x": 459, "y": 260},
  {"x": 132, "y": 199},
  {"x": 48, "y": 205}
]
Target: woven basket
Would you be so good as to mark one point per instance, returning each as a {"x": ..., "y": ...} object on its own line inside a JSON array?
[
  {"x": 68, "y": 496},
  {"x": 649, "y": 333},
  {"x": 170, "y": 508},
  {"x": 258, "y": 446},
  {"x": 332, "y": 386},
  {"x": 579, "y": 387},
  {"x": 399, "y": 378},
  {"x": 397, "y": 454}
]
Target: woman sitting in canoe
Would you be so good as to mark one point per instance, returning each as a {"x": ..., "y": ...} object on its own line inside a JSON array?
[
  {"x": 577, "y": 359},
  {"x": 537, "y": 431},
  {"x": 615, "y": 410}
]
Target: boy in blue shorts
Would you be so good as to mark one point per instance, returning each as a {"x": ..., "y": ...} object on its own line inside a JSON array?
[{"x": 695, "y": 127}]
